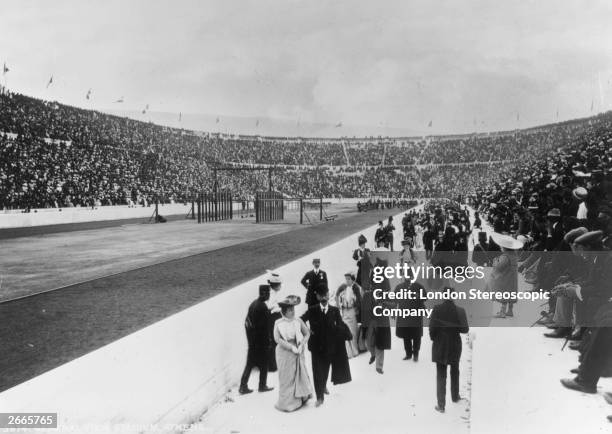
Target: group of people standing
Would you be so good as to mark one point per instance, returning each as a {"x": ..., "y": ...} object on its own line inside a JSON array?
[
  {"x": 339, "y": 326},
  {"x": 277, "y": 338}
]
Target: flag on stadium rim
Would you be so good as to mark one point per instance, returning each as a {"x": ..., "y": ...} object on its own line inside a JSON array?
[
  {"x": 88, "y": 94},
  {"x": 339, "y": 124},
  {"x": 180, "y": 116},
  {"x": 120, "y": 100},
  {"x": 217, "y": 121},
  {"x": 50, "y": 81},
  {"x": 4, "y": 69},
  {"x": 430, "y": 123}
]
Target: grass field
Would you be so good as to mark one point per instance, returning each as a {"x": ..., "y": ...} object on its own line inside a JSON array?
[{"x": 45, "y": 330}]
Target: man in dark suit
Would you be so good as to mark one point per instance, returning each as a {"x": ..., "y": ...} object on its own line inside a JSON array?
[
  {"x": 410, "y": 329},
  {"x": 555, "y": 229},
  {"x": 447, "y": 321},
  {"x": 312, "y": 279},
  {"x": 389, "y": 233},
  {"x": 379, "y": 236},
  {"x": 479, "y": 255},
  {"x": 256, "y": 326},
  {"x": 324, "y": 321}
]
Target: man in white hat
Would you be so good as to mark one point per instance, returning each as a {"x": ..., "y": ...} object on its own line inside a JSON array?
[
  {"x": 504, "y": 276},
  {"x": 580, "y": 194}
]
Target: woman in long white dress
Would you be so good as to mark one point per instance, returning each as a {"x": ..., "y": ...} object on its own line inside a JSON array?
[
  {"x": 348, "y": 300},
  {"x": 291, "y": 336},
  {"x": 504, "y": 276}
]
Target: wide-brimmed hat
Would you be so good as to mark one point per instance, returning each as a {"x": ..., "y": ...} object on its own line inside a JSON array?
[
  {"x": 290, "y": 300},
  {"x": 572, "y": 235},
  {"x": 350, "y": 274},
  {"x": 522, "y": 239},
  {"x": 592, "y": 238},
  {"x": 580, "y": 193},
  {"x": 554, "y": 213},
  {"x": 507, "y": 242}
]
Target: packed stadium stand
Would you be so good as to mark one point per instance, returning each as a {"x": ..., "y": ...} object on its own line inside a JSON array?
[{"x": 54, "y": 155}]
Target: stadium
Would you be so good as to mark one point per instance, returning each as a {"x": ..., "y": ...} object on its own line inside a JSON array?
[{"x": 144, "y": 237}]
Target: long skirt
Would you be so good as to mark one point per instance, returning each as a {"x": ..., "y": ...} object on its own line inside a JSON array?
[
  {"x": 349, "y": 316},
  {"x": 293, "y": 382}
]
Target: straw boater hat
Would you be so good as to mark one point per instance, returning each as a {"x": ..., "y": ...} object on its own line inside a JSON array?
[
  {"x": 580, "y": 193},
  {"x": 507, "y": 242},
  {"x": 290, "y": 300},
  {"x": 273, "y": 277}
]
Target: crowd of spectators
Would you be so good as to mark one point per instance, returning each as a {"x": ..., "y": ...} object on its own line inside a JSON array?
[
  {"x": 54, "y": 155},
  {"x": 558, "y": 205}
]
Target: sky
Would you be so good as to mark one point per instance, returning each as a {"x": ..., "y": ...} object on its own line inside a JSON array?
[{"x": 464, "y": 65}]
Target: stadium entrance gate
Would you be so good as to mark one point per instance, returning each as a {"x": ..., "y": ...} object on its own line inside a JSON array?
[
  {"x": 271, "y": 206},
  {"x": 213, "y": 207}
]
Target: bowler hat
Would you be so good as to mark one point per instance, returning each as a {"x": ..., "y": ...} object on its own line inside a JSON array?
[{"x": 321, "y": 289}]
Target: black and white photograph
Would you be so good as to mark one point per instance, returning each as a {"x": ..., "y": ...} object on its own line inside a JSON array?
[{"x": 291, "y": 216}]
